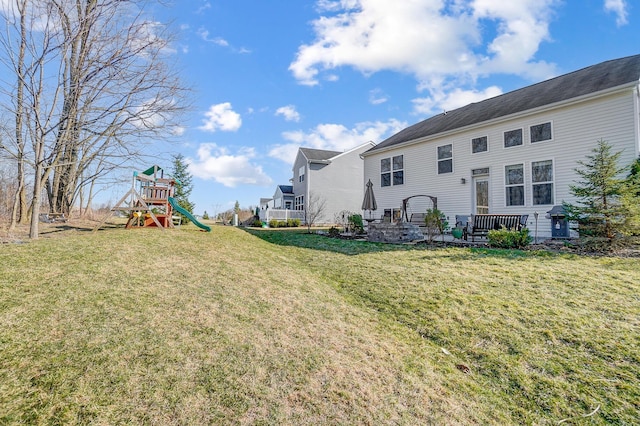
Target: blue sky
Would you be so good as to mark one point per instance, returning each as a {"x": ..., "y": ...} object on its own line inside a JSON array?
[{"x": 271, "y": 76}]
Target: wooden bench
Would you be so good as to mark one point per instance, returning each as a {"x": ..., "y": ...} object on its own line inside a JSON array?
[{"x": 481, "y": 224}]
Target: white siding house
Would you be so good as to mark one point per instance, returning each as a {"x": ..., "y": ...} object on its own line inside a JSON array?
[
  {"x": 515, "y": 153},
  {"x": 329, "y": 176}
]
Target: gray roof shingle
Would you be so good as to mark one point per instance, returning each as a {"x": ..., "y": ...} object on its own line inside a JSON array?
[
  {"x": 595, "y": 78},
  {"x": 318, "y": 154}
]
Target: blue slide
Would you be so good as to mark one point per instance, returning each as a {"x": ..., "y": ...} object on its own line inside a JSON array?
[{"x": 180, "y": 210}]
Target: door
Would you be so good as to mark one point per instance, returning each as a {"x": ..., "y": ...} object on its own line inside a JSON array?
[{"x": 481, "y": 194}]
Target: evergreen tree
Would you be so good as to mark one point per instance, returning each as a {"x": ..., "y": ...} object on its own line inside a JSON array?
[
  {"x": 184, "y": 185},
  {"x": 631, "y": 199},
  {"x": 236, "y": 207},
  {"x": 599, "y": 211}
]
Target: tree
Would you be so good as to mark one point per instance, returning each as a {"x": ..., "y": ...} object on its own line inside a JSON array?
[
  {"x": 236, "y": 207},
  {"x": 599, "y": 211},
  {"x": 314, "y": 209},
  {"x": 184, "y": 185},
  {"x": 92, "y": 82},
  {"x": 631, "y": 199}
]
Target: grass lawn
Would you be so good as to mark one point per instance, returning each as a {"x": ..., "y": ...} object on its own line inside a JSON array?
[{"x": 269, "y": 327}]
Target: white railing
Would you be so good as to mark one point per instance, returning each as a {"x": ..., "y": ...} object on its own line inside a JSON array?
[{"x": 280, "y": 214}]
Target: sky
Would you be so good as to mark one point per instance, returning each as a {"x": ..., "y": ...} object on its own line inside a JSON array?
[{"x": 269, "y": 77}]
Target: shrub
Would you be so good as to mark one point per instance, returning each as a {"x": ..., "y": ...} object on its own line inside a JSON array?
[
  {"x": 435, "y": 223},
  {"x": 274, "y": 223},
  {"x": 355, "y": 223},
  {"x": 334, "y": 232},
  {"x": 293, "y": 223},
  {"x": 257, "y": 223},
  {"x": 505, "y": 238}
]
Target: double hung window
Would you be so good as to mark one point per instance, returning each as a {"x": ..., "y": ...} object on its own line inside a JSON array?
[
  {"x": 392, "y": 171},
  {"x": 514, "y": 184},
  {"x": 445, "y": 159}
]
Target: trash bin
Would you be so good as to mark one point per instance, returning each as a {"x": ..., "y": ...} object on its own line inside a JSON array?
[{"x": 559, "y": 222}]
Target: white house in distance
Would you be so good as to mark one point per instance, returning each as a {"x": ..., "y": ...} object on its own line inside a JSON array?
[
  {"x": 332, "y": 177},
  {"x": 320, "y": 176},
  {"x": 514, "y": 153}
]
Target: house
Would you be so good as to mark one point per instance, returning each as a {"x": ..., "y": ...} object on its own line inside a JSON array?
[
  {"x": 330, "y": 177},
  {"x": 283, "y": 197},
  {"x": 514, "y": 153}
]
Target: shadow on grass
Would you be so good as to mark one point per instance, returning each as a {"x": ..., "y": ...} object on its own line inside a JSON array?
[{"x": 300, "y": 238}]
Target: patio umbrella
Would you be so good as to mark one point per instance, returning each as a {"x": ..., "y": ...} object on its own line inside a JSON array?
[{"x": 369, "y": 202}]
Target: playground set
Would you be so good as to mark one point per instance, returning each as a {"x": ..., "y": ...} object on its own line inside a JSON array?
[{"x": 150, "y": 202}]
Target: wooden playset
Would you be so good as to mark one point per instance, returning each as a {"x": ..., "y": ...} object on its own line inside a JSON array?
[{"x": 149, "y": 201}]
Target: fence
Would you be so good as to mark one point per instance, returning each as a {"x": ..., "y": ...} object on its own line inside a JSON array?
[{"x": 281, "y": 214}]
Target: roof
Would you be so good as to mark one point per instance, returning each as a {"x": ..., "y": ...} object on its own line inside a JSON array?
[
  {"x": 318, "y": 154},
  {"x": 595, "y": 78},
  {"x": 286, "y": 189}
]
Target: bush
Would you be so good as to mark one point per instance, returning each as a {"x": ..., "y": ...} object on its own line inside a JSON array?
[
  {"x": 355, "y": 223},
  {"x": 257, "y": 223},
  {"x": 334, "y": 232},
  {"x": 293, "y": 223},
  {"x": 274, "y": 223},
  {"x": 289, "y": 223},
  {"x": 505, "y": 238},
  {"x": 435, "y": 223}
]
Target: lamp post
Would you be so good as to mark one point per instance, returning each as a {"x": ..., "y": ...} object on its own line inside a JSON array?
[{"x": 535, "y": 215}]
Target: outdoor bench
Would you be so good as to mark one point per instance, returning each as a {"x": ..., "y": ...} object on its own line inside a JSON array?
[
  {"x": 418, "y": 219},
  {"x": 481, "y": 224}
]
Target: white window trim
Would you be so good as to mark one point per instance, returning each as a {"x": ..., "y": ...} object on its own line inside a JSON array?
[
  {"x": 392, "y": 170},
  {"x": 523, "y": 184},
  {"x": 553, "y": 182},
  {"x": 445, "y": 159},
  {"x": 546, "y": 140},
  {"x": 515, "y": 146},
  {"x": 478, "y": 137}
]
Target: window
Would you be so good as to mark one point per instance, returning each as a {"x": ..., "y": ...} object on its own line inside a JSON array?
[
  {"x": 445, "y": 159},
  {"x": 479, "y": 145},
  {"x": 398, "y": 170},
  {"x": 512, "y": 138},
  {"x": 514, "y": 184},
  {"x": 392, "y": 168},
  {"x": 540, "y": 132},
  {"x": 301, "y": 174},
  {"x": 542, "y": 182},
  {"x": 299, "y": 202},
  {"x": 392, "y": 215}
]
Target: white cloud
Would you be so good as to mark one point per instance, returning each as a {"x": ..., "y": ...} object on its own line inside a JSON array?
[
  {"x": 446, "y": 101},
  {"x": 619, "y": 8},
  {"x": 289, "y": 113},
  {"x": 377, "y": 97},
  {"x": 430, "y": 39},
  {"x": 218, "y": 164},
  {"x": 221, "y": 117},
  {"x": 204, "y": 34},
  {"x": 334, "y": 137}
]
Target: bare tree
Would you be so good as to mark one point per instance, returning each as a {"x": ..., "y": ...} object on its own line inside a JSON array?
[
  {"x": 314, "y": 209},
  {"x": 92, "y": 84}
]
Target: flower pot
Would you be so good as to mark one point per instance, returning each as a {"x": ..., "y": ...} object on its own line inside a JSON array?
[{"x": 456, "y": 232}]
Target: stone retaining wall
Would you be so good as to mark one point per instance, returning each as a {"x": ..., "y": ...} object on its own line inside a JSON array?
[{"x": 393, "y": 232}]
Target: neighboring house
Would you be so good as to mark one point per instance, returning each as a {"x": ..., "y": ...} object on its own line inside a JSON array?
[
  {"x": 332, "y": 177},
  {"x": 283, "y": 197},
  {"x": 514, "y": 153}
]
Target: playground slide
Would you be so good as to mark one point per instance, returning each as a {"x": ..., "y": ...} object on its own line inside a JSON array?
[{"x": 180, "y": 210}]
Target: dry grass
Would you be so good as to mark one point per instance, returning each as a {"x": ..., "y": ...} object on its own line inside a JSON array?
[{"x": 185, "y": 327}]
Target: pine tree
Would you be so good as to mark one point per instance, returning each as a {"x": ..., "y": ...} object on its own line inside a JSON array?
[
  {"x": 184, "y": 185},
  {"x": 599, "y": 211}
]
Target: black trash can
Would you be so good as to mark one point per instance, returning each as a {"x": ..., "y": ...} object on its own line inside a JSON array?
[{"x": 559, "y": 222}]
